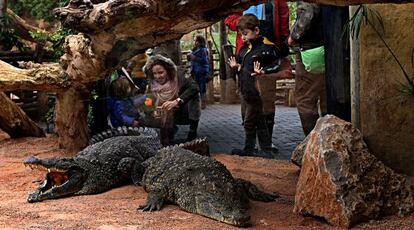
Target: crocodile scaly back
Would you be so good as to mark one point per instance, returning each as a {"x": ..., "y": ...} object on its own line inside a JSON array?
[
  {"x": 122, "y": 131},
  {"x": 199, "y": 146}
]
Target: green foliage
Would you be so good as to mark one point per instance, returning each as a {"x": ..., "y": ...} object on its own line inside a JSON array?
[
  {"x": 7, "y": 37},
  {"x": 292, "y": 13},
  {"x": 50, "y": 115},
  {"x": 53, "y": 41},
  {"x": 93, "y": 97},
  {"x": 40, "y": 9}
]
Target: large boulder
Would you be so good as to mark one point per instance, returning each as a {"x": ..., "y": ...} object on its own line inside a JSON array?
[{"x": 342, "y": 182}]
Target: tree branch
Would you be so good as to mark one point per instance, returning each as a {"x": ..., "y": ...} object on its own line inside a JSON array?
[{"x": 44, "y": 77}]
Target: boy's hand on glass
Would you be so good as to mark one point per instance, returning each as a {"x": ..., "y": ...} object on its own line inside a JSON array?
[
  {"x": 233, "y": 63},
  {"x": 257, "y": 70}
]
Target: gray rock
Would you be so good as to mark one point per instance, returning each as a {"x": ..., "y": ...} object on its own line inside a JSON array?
[{"x": 342, "y": 182}]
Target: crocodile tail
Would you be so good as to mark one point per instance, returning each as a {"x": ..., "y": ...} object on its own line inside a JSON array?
[
  {"x": 122, "y": 131},
  {"x": 199, "y": 146}
]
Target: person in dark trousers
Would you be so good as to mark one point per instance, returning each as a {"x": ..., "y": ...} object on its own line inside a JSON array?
[
  {"x": 199, "y": 66},
  {"x": 307, "y": 34},
  {"x": 257, "y": 56},
  {"x": 176, "y": 99}
]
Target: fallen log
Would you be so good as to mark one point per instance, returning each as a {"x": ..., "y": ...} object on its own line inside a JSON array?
[
  {"x": 15, "y": 122},
  {"x": 43, "y": 77}
]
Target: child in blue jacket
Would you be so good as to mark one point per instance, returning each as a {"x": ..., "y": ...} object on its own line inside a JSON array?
[
  {"x": 199, "y": 66},
  {"x": 121, "y": 105}
]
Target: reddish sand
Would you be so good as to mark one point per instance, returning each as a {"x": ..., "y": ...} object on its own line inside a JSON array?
[{"x": 116, "y": 209}]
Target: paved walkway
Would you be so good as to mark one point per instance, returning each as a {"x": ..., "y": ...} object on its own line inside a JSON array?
[{"x": 221, "y": 124}]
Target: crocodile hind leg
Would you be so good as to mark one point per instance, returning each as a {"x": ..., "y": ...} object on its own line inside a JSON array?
[
  {"x": 254, "y": 193},
  {"x": 155, "y": 201}
]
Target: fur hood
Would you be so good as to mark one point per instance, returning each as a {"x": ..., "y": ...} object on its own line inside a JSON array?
[{"x": 164, "y": 60}]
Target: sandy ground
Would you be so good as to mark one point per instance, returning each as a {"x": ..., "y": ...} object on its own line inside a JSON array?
[{"x": 116, "y": 209}]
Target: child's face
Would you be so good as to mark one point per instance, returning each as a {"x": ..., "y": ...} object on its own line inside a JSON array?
[
  {"x": 248, "y": 34},
  {"x": 196, "y": 43},
  {"x": 160, "y": 74}
]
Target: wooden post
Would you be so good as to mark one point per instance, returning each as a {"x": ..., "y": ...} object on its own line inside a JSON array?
[
  {"x": 230, "y": 83},
  {"x": 210, "y": 85},
  {"x": 336, "y": 62},
  {"x": 3, "y": 8},
  {"x": 355, "y": 89},
  {"x": 223, "y": 76}
]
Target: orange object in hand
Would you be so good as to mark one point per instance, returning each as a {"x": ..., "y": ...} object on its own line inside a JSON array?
[{"x": 148, "y": 102}]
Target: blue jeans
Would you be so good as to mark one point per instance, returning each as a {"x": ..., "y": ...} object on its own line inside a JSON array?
[{"x": 201, "y": 79}]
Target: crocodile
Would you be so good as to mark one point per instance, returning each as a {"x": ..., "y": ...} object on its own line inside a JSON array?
[
  {"x": 108, "y": 162},
  {"x": 198, "y": 184}
]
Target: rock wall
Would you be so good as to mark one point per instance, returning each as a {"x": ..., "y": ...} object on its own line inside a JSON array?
[{"x": 387, "y": 119}]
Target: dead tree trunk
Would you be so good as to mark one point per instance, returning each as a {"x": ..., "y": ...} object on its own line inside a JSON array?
[
  {"x": 15, "y": 122},
  {"x": 71, "y": 118}
]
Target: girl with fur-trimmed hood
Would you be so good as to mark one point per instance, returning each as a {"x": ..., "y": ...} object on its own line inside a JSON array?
[{"x": 177, "y": 98}]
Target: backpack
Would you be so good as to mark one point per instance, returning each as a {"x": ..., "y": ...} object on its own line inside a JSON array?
[{"x": 266, "y": 29}]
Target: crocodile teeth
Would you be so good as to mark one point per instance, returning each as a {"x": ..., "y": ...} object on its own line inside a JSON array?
[{"x": 48, "y": 170}]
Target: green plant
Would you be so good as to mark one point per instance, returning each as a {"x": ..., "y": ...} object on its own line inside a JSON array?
[
  {"x": 49, "y": 117},
  {"x": 366, "y": 15},
  {"x": 292, "y": 13},
  {"x": 53, "y": 41},
  {"x": 90, "y": 118},
  {"x": 40, "y": 9}
]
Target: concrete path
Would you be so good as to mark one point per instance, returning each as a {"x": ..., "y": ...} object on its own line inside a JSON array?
[{"x": 221, "y": 124}]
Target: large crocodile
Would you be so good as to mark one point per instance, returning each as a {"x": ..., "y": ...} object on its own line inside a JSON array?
[
  {"x": 198, "y": 184},
  {"x": 106, "y": 163}
]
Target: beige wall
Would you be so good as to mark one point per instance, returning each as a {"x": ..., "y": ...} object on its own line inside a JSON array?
[{"x": 387, "y": 120}]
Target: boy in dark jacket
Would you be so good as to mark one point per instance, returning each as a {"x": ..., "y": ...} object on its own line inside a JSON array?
[{"x": 257, "y": 56}]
